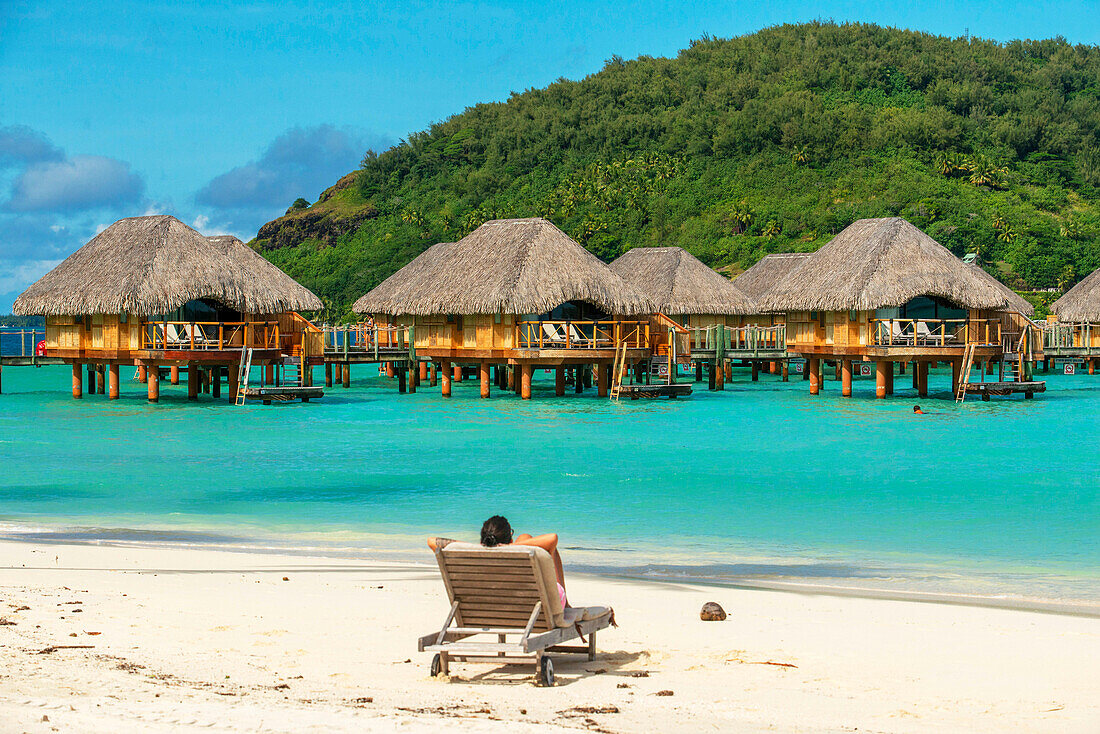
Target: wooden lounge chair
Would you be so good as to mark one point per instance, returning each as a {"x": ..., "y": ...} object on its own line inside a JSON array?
[{"x": 510, "y": 594}]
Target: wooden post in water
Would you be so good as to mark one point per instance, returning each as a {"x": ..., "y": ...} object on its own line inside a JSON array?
[
  {"x": 889, "y": 378},
  {"x": 141, "y": 373},
  {"x": 528, "y": 369},
  {"x": 578, "y": 383},
  {"x": 389, "y": 370},
  {"x": 346, "y": 372},
  {"x": 586, "y": 371},
  {"x": 729, "y": 372},
  {"x": 433, "y": 379},
  {"x": 175, "y": 378},
  {"x": 414, "y": 376},
  {"x": 422, "y": 374},
  {"x": 483, "y": 376},
  {"x": 786, "y": 377},
  {"x": 328, "y": 374},
  {"x": 846, "y": 378},
  {"x": 1092, "y": 366},
  {"x": 112, "y": 377},
  {"x": 232, "y": 382},
  {"x": 401, "y": 387},
  {"x": 510, "y": 378},
  {"x": 698, "y": 371},
  {"x": 922, "y": 378},
  {"x": 719, "y": 376},
  {"x": 755, "y": 371},
  {"x": 458, "y": 373},
  {"x": 192, "y": 381},
  {"x": 445, "y": 378},
  {"x": 772, "y": 368},
  {"x": 269, "y": 373},
  {"x": 91, "y": 379},
  {"x": 101, "y": 378},
  {"x": 154, "y": 384},
  {"x": 559, "y": 381},
  {"x": 78, "y": 381},
  {"x": 880, "y": 378},
  {"x": 216, "y": 382},
  {"x": 956, "y": 376},
  {"x": 838, "y": 367},
  {"x": 601, "y": 381},
  {"x": 815, "y": 375},
  {"x": 901, "y": 368}
]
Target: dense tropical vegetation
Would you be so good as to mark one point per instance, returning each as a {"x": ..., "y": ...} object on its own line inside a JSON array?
[{"x": 736, "y": 148}]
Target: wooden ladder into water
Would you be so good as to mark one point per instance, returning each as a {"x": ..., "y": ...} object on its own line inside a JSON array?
[
  {"x": 964, "y": 375},
  {"x": 617, "y": 372},
  {"x": 242, "y": 376}
]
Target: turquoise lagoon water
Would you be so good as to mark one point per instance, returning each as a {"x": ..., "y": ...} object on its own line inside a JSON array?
[{"x": 759, "y": 482}]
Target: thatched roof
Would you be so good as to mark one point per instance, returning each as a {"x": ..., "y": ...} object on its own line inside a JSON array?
[
  {"x": 879, "y": 263},
  {"x": 678, "y": 283},
  {"x": 385, "y": 297},
  {"x": 512, "y": 266},
  {"x": 153, "y": 265},
  {"x": 1080, "y": 303},
  {"x": 267, "y": 276},
  {"x": 769, "y": 270},
  {"x": 1016, "y": 302}
]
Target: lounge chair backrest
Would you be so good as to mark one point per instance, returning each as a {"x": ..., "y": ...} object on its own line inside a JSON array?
[
  {"x": 498, "y": 587},
  {"x": 550, "y": 332},
  {"x": 895, "y": 329},
  {"x": 177, "y": 334},
  {"x": 575, "y": 335},
  {"x": 923, "y": 330}
]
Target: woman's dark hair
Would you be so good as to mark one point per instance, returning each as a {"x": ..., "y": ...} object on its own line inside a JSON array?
[{"x": 496, "y": 531}]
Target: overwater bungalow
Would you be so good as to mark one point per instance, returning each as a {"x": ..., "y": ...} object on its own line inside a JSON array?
[
  {"x": 1075, "y": 332},
  {"x": 516, "y": 294},
  {"x": 765, "y": 274},
  {"x": 704, "y": 308},
  {"x": 154, "y": 293},
  {"x": 883, "y": 291}
]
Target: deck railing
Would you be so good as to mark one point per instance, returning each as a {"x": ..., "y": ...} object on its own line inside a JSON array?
[
  {"x": 209, "y": 335},
  {"x": 1070, "y": 336},
  {"x": 581, "y": 334},
  {"x": 739, "y": 338},
  {"x": 366, "y": 338},
  {"x": 934, "y": 332},
  {"x": 28, "y": 341}
]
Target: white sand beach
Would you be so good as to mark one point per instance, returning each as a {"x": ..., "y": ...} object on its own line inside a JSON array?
[{"x": 113, "y": 639}]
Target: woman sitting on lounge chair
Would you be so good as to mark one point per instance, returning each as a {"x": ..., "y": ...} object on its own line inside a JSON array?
[{"x": 498, "y": 531}]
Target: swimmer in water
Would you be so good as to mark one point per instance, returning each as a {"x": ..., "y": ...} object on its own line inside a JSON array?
[{"x": 917, "y": 410}]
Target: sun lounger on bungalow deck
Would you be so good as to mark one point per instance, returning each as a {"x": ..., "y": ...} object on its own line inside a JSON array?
[{"x": 509, "y": 594}]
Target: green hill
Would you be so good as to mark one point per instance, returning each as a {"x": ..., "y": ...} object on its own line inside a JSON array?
[{"x": 736, "y": 148}]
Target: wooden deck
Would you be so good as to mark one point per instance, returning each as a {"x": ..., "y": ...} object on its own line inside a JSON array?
[
  {"x": 269, "y": 394},
  {"x": 634, "y": 392},
  {"x": 986, "y": 389},
  {"x": 8, "y": 360}
]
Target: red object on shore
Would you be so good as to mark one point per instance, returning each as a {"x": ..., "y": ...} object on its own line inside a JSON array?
[{"x": 40, "y": 349}]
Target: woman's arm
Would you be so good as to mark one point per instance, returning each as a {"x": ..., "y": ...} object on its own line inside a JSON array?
[{"x": 548, "y": 542}]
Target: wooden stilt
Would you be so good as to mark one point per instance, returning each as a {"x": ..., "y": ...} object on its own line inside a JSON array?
[
  {"x": 901, "y": 368},
  {"x": 141, "y": 372},
  {"x": 838, "y": 369},
  {"x": 956, "y": 376},
  {"x": 269, "y": 374},
  {"x": 786, "y": 377},
  {"x": 483, "y": 370},
  {"x": 458, "y": 373},
  {"x": 216, "y": 382},
  {"x": 112, "y": 378},
  {"x": 390, "y": 372},
  {"x": 423, "y": 371},
  {"x": 91, "y": 379},
  {"x": 154, "y": 384},
  {"x": 559, "y": 381},
  {"x": 414, "y": 376},
  {"x": 78, "y": 381},
  {"x": 772, "y": 368},
  {"x": 232, "y": 383},
  {"x": 175, "y": 374},
  {"x": 345, "y": 373},
  {"x": 916, "y": 370},
  {"x": 445, "y": 374},
  {"x": 698, "y": 371},
  {"x": 889, "y": 378},
  {"x": 880, "y": 378},
  {"x": 578, "y": 383},
  {"x": 192, "y": 381},
  {"x": 719, "y": 376},
  {"x": 815, "y": 375},
  {"x": 586, "y": 372},
  {"x": 510, "y": 376},
  {"x": 101, "y": 379},
  {"x": 328, "y": 374},
  {"x": 517, "y": 383},
  {"x": 729, "y": 372},
  {"x": 528, "y": 369},
  {"x": 433, "y": 379},
  {"x": 755, "y": 371},
  {"x": 846, "y": 378},
  {"x": 922, "y": 378},
  {"x": 1092, "y": 366},
  {"x": 396, "y": 368},
  {"x": 601, "y": 381}
]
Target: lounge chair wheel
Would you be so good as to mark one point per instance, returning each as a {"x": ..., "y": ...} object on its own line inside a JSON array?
[
  {"x": 546, "y": 672},
  {"x": 437, "y": 666}
]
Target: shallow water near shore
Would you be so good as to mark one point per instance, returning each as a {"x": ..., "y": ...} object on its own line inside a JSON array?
[{"x": 761, "y": 482}]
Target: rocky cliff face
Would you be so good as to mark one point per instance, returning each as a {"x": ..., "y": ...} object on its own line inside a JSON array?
[{"x": 327, "y": 220}]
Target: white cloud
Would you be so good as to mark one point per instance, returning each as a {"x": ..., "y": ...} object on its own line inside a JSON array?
[
  {"x": 200, "y": 221},
  {"x": 80, "y": 182}
]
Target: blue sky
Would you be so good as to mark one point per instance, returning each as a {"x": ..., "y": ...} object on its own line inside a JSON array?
[{"x": 224, "y": 115}]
